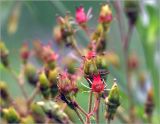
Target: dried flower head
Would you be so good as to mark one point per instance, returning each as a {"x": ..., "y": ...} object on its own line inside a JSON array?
[{"x": 66, "y": 85}]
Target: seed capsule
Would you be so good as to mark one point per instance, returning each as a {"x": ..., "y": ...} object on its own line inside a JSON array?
[
  {"x": 44, "y": 85},
  {"x": 112, "y": 102},
  {"x": 53, "y": 111},
  {"x": 11, "y": 115}
]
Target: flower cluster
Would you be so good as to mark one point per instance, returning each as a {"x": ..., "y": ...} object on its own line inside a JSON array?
[{"x": 58, "y": 79}]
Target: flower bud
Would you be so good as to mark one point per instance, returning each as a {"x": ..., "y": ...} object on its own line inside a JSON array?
[
  {"x": 53, "y": 111},
  {"x": 44, "y": 85},
  {"x": 30, "y": 74},
  {"x": 67, "y": 85},
  {"x": 53, "y": 74},
  {"x": 11, "y": 115},
  {"x": 149, "y": 105},
  {"x": 90, "y": 67},
  {"x": 70, "y": 65},
  {"x": 112, "y": 101},
  {"x": 24, "y": 53},
  {"x": 66, "y": 30},
  {"x": 3, "y": 91},
  {"x": 49, "y": 57},
  {"x": 105, "y": 15},
  {"x": 101, "y": 62},
  {"x": 27, "y": 120},
  {"x": 4, "y": 54},
  {"x": 37, "y": 113},
  {"x": 57, "y": 34},
  {"x": 132, "y": 10},
  {"x": 102, "y": 65},
  {"x": 81, "y": 16}
]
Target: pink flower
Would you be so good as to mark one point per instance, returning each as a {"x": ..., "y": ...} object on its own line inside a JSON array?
[
  {"x": 97, "y": 84},
  {"x": 81, "y": 16}
]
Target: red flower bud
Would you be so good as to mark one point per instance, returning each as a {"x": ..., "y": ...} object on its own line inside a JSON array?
[
  {"x": 24, "y": 52},
  {"x": 81, "y": 16}
]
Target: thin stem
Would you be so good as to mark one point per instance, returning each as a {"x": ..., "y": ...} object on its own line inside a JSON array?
[
  {"x": 79, "y": 115},
  {"x": 19, "y": 82},
  {"x": 128, "y": 37},
  {"x": 117, "y": 7},
  {"x": 129, "y": 86},
  {"x": 33, "y": 95},
  {"x": 81, "y": 110},
  {"x": 74, "y": 45},
  {"x": 90, "y": 102},
  {"x": 97, "y": 112}
]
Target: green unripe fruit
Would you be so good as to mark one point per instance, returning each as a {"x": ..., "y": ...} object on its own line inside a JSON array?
[
  {"x": 11, "y": 115},
  {"x": 27, "y": 120},
  {"x": 90, "y": 67},
  {"x": 44, "y": 85},
  {"x": 3, "y": 90}
]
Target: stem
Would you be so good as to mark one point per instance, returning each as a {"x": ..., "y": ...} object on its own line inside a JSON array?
[
  {"x": 97, "y": 112},
  {"x": 129, "y": 86},
  {"x": 79, "y": 115},
  {"x": 74, "y": 45},
  {"x": 19, "y": 81},
  {"x": 81, "y": 110},
  {"x": 127, "y": 39},
  {"x": 90, "y": 102},
  {"x": 33, "y": 95},
  {"x": 117, "y": 7}
]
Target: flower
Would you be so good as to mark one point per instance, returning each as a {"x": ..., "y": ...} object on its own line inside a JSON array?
[
  {"x": 105, "y": 14},
  {"x": 97, "y": 84},
  {"x": 90, "y": 54},
  {"x": 81, "y": 16}
]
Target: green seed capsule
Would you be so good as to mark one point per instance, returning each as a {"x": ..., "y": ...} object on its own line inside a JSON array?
[
  {"x": 27, "y": 120},
  {"x": 44, "y": 85},
  {"x": 4, "y": 91},
  {"x": 4, "y": 54},
  {"x": 112, "y": 101},
  {"x": 11, "y": 115},
  {"x": 53, "y": 110}
]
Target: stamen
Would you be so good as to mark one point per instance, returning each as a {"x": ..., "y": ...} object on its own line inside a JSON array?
[
  {"x": 86, "y": 91},
  {"x": 85, "y": 85},
  {"x": 89, "y": 80}
]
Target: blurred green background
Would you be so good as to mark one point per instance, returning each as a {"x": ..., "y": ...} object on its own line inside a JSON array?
[{"x": 37, "y": 19}]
